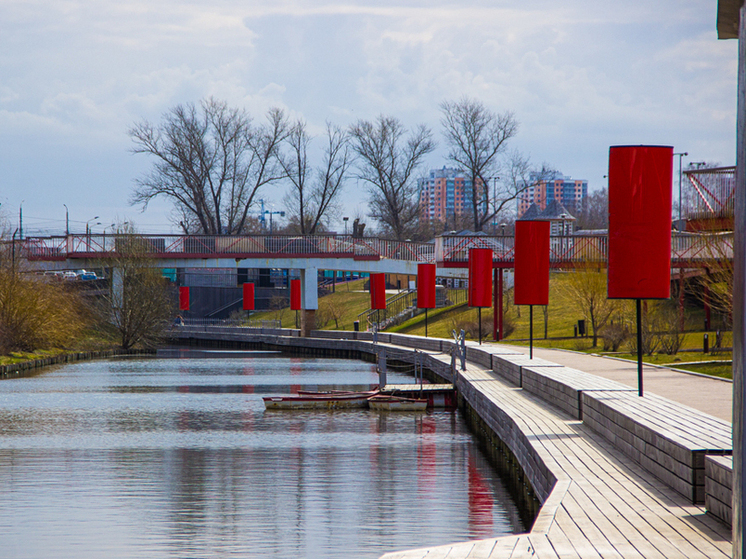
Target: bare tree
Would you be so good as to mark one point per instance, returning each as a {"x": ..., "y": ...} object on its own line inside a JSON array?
[
  {"x": 477, "y": 139},
  {"x": 586, "y": 287},
  {"x": 314, "y": 192},
  {"x": 211, "y": 161},
  {"x": 517, "y": 176},
  {"x": 139, "y": 303},
  {"x": 389, "y": 157},
  {"x": 595, "y": 211}
]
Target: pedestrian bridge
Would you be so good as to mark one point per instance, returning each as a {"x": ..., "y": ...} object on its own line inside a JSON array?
[
  {"x": 344, "y": 252},
  {"x": 309, "y": 254}
]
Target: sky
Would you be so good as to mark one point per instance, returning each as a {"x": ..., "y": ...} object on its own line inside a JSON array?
[{"x": 579, "y": 75}]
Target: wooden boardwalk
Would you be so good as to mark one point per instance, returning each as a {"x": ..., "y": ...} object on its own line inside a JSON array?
[{"x": 602, "y": 505}]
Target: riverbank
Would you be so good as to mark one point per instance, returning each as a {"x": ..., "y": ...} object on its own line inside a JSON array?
[{"x": 24, "y": 368}]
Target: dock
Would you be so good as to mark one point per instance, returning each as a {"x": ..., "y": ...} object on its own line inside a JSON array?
[{"x": 439, "y": 396}]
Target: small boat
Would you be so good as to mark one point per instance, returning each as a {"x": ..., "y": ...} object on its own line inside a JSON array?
[
  {"x": 396, "y": 403},
  {"x": 318, "y": 401},
  {"x": 335, "y": 392}
]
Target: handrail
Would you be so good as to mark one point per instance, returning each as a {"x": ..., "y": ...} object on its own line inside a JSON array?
[{"x": 580, "y": 247}]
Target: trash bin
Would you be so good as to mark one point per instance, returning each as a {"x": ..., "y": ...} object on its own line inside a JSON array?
[
  {"x": 581, "y": 327},
  {"x": 356, "y": 326}
]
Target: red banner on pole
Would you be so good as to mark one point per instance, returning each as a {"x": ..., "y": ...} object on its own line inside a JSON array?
[
  {"x": 248, "y": 296},
  {"x": 295, "y": 295},
  {"x": 480, "y": 277},
  {"x": 183, "y": 298},
  {"x": 531, "y": 263},
  {"x": 425, "y": 286},
  {"x": 378, "y": 291},
  {"x": 640, "y": 222}
]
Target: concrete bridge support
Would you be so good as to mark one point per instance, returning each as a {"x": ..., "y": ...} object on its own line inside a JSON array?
[{"x": 309, "y": 300}]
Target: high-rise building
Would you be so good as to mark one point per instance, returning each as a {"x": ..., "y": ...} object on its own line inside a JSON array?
[
  {"x": 571, "y": 193},
  {"x": 445, "y": 193}
]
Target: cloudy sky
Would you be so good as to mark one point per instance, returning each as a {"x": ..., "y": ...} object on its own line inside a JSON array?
[{"x": 580, "y": 75}]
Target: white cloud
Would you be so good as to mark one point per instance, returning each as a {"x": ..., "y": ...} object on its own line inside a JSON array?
[{"x": 580, "y": 74}]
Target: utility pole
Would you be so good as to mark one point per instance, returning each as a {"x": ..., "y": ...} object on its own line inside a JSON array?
[{"x": 681, "y": 156}]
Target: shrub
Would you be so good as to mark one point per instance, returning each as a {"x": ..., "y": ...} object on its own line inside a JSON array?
[
  {"x": 614, "y": 335},
  {"x": 36, "y": 314}
]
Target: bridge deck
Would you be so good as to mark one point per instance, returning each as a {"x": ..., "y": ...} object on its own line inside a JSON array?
[{"x": 603, "y": 505}]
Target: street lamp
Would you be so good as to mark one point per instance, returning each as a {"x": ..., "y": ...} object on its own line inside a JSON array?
[
  {"x": 67, "y": 220},
  {"x": 87, "y": 230},
  {"x": 345, "y": 219},
  {"x": 681, "y": 156}
]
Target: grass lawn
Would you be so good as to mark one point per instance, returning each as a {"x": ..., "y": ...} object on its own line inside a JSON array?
[{"x": 561, "y": 317}]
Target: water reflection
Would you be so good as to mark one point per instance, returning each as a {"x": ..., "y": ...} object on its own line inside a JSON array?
[{"x": 177, "y": 458}]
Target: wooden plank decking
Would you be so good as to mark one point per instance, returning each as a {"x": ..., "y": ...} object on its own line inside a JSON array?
[{"x": 602, "y": 505}]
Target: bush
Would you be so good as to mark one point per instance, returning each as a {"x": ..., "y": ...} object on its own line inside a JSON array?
[
  {"x": 36, "y": 314},
  {"x": 614, "y": 335},
  {"x": 471, "y": 327},
  {"x": 667, "y": 324}
]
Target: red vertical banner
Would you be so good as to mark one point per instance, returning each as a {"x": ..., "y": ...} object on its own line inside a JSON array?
[
  {"x": 480, "y": 277},
  {"x": 425, "y": 286},
  {"x": 183, "y": 298},
  {"x": 295, "y": 295},
  {"x": 378, "y": 291},
  {"x": 531, "y": 263},
  {"x": 248, "y": 296},
  {"x": 640, "y": 179}
]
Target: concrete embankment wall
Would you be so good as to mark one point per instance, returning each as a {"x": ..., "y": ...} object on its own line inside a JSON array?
[{"x": 25, "y": 368}]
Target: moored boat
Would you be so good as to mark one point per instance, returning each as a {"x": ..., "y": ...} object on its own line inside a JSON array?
[
  {"x": 396, "y": 403},
  {"x": 318, "y": 401}
]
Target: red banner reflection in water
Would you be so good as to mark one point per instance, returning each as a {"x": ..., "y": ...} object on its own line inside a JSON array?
[
  {"x": 481, "y": 503},
  {"x": 427, "y": 456}
]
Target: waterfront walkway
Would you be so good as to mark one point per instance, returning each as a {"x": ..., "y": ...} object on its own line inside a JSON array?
[
  {"x": 711, "y": 395},
  {"x": 603, "y": 503}
]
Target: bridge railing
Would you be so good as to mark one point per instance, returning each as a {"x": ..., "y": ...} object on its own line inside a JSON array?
[
  {"x": 580, "y": 247},
  {"x": 180, "y": 246}
]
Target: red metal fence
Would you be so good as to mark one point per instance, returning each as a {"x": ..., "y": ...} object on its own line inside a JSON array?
[{"x": 688, "y": 249}]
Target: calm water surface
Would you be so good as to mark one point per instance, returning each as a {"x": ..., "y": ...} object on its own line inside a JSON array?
[{"x": 177, "y": 457}]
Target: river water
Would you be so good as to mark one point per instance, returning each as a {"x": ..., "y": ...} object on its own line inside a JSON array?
[{"x": 177, "y": 457}]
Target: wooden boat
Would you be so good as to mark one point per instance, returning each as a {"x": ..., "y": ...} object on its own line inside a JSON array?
[
  {"x": 318, "y": 401},
  {"x": 396, "y": 403},
  {"x": 335, "y": 392}
]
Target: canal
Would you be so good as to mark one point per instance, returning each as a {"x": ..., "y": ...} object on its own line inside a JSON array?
[{"x": 176, "y": 457}]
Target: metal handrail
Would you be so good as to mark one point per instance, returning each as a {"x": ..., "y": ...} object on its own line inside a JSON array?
[{"x": 575, "y": 248}]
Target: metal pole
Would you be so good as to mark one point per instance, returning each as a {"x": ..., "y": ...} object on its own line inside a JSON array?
[
  {"x": 739, "y": 305},
  {"x": 639, "y": 347},
  {"x": 426, "y": 323},
  {"x": 495, "y": 314},
  {"x": 479, "y": 318},
  {"x": 530, "y": 331},
  {"x": 681, "y": 156},
  {"x": 67, "y": 220}
]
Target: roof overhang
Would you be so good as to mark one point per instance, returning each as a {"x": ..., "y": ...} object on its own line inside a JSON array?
[{"x": 728, "y": 18}]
